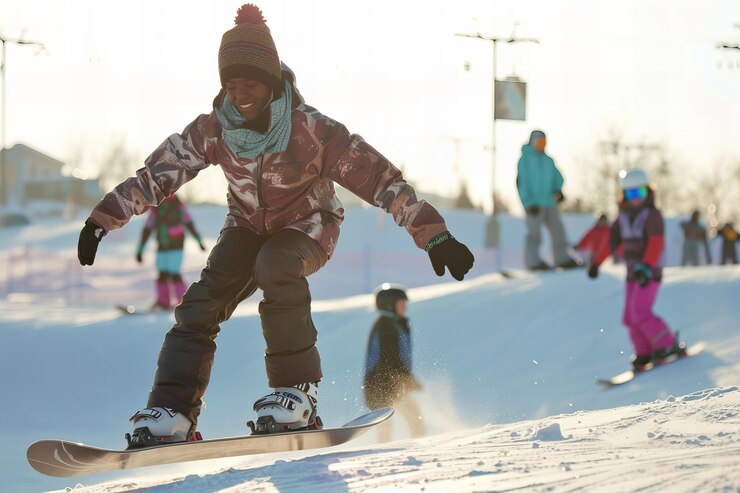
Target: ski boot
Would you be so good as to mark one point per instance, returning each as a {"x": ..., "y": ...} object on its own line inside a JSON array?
[
  {"x": 160, "y": 425},
  {"x": 287, "y": 409}
]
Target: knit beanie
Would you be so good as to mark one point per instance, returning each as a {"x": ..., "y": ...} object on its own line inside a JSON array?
[{"x": 247, "y": 50}]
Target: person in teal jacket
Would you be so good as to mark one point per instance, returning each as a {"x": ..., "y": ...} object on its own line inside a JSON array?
[{"x": 540, "y": 189}]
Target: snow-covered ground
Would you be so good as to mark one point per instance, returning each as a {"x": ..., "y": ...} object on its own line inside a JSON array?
[{"x": 508, "y": 366}]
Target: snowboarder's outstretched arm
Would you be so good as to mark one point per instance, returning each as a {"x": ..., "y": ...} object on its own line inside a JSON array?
[
  {"x": 358, "y": 167},
  {"x": 175, "y": 162}
]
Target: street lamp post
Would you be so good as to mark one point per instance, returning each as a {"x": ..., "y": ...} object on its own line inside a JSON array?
[
  {"x": 492, "y": 237},
  {"x": 3, "y": 170}
]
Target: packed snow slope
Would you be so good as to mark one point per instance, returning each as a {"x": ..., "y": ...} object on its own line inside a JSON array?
[{"x": 496, "y": 356}]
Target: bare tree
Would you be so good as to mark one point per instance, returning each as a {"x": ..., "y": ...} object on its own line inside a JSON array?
[{"x": 119, "y": 163}]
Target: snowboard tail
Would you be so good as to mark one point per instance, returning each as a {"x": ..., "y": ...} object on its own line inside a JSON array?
[{"x": 65, "y": 459}]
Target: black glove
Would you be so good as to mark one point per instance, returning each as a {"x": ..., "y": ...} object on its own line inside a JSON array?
[
  {"x": 445, "y": 250},
  {"x": 202, "y": 246},
  {"x": 593, "y": 271},
  {"x": 139, "y": 257},
  {"x": 87, "y": 246},
  {"x": 643, "y": 274},
  {"x": 559, "y": 196},
  {"x": 534, "y": 210}
]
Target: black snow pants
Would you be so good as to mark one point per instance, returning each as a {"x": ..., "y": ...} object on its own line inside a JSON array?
[{"x": 240, "y": 263}]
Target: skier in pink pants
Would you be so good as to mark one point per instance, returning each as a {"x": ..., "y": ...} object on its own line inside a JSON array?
[{"x": 638, "y": 231}]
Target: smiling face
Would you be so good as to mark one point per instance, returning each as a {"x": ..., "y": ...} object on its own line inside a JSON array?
[{"x": 250, "y": 96}]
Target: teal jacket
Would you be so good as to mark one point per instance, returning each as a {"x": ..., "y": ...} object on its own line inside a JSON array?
[{"x": 538, "y": 180}]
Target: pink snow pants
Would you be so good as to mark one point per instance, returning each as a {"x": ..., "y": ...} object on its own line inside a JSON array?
[{"x": 648, "y": 332}]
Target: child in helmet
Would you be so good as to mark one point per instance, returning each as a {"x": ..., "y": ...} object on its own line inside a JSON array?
[
  {"x": 389, "y": 380},
  {"x": 638, "y": 232},
  {"x": 281, "y": 159},
  {"x": 169, "y": 220}
]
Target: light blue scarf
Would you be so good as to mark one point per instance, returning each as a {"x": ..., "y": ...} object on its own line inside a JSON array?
[{"x": 250, "y": 143}]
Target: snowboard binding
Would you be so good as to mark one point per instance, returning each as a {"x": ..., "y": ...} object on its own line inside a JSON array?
[
  {"x": 143, "y": 438},
  {"x": 266, "y": 425}
]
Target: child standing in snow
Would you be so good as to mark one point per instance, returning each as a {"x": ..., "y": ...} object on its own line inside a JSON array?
[
  {"x": 281, "y": 158},
  {"x": 169, "y": 219},
  {"x": 389, "y": 380},
  {"x": 638, "y": 231}
]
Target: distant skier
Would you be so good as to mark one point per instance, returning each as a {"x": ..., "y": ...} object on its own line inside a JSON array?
[
  {"x": 729, "y": 239},
  {"x": 596, "y": 239},
  {"x": 281, "y": 159},
  {"x": 169, "y": 220},
  {"x": 540, "y": 189},
  {"x": 694, "y": 236},
  {"x": 639, "y": 231},
  {"x": 389, "y": 380}
]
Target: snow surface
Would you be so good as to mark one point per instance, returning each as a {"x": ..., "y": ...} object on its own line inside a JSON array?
[{"x": 508, "y": 366}]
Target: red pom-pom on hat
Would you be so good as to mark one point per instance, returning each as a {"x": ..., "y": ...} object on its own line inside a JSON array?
[{"x": 249, "y": 14}]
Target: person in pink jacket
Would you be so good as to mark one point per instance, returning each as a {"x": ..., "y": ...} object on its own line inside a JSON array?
[
  {"x": 281, "y": 159},
  {"x": 638, "y": 233}
]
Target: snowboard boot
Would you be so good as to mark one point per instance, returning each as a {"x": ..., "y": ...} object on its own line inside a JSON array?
[
  {"x": 287, "y": 409},
  {"x": 666, "y": 355},
  {"x": 642, "y": 362},
  {"x": 542, "y": 266},
  {"x": 159, "y": 425},
  {"x": 571, "y": 263}
]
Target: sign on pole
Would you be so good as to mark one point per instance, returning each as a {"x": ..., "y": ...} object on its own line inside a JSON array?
[{"x": 511, "y": 99}]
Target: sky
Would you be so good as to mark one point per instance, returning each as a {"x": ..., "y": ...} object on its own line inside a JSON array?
[{"x": 392, "y": 72}]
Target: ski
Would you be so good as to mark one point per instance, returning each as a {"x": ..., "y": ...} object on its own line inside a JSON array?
[{"x": 64, "y": 459}]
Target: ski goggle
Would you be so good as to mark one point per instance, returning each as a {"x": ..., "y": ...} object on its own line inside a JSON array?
[{"x": 639, "y": 193}]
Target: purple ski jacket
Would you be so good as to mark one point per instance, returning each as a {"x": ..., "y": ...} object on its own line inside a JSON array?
[{"x": 290, "y": 189}]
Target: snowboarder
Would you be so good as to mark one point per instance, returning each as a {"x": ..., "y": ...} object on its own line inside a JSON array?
[
  {"x": 540, "y": 189},
  {"x": 639, "y": 231},
  {"x": 169, "y": 219},
  {"x": 694, "y": 235},
  {"x": 729, "y": 238},
  {"x": 281, "y": 158},
  {"x": 389, "y": 380},
  {"x": 596, "y": 238}
]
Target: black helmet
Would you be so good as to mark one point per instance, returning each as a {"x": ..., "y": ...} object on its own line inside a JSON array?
[{"x": 387, "y": 294}]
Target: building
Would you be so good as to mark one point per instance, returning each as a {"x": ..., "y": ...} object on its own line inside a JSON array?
[{"x": 32, "y": 176}]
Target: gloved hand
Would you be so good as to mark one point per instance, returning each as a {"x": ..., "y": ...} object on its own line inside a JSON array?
[
  {"x": 593, "y": 271},
  {"x": 87, "y": 245},
  {"x": 445, "y": 251},
  {"x": 534, "y": 210},
  {"x": 202, "y": 246},
  {"x": 559, "y": 196},
  {"x": 139, "y": 255},
  {"x": 643, "y": 274}
]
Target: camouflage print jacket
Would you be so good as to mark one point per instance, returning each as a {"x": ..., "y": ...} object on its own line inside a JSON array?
[{"x": 290, "y": 189}]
